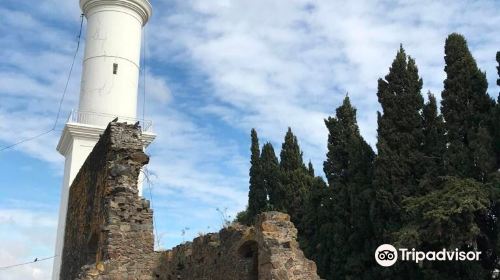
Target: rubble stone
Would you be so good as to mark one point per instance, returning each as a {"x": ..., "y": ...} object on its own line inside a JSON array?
[{"x": 109, "y": 229}]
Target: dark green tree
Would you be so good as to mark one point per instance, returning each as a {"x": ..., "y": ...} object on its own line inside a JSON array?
[
  {"x": 296, "y": 185},
  {"x": 257, "y": 196},
  {"x": 495, "y": 180},
  {"x": 270, "y": 174},
  {"x": 496, "y": 118},
  {"x": 498, "y": 80},
  {"x": 315, "y": 240},
  {"x": 291, "y": 155},
  {"x": 310, "y": 169},
  {"x": 446, "y": 217},
  {"x": 498, "y": 68},
  {"x": 295, "y": 181},
  {"x": 466, "y": 108},
  {"x": 434, "y": 144},
  {"x": 347, "y": 234},
  {"x": 399, "y": 166}
]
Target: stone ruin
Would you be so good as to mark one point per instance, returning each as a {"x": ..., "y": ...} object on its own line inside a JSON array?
[{"x": 109, "y": 229}]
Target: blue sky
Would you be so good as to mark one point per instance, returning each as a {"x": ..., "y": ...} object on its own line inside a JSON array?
[{"x": 215, "y": 70}]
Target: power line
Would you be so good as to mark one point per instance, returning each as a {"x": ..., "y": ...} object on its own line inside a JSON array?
[
  {"x": 61, "y": 100},
  {"x": 36, "y": 260},
  {"x": 26, "y": 140},
  {"x": 149, "y": 182},
  {"x": 70, "y": 71},
  {"x": 146, "y": 171}
]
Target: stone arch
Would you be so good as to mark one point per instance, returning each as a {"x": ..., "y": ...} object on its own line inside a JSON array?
[{"x": 249, "y": 257}]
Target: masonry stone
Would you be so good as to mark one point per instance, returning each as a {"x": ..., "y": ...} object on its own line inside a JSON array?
[{"x": 109, "y": 229}]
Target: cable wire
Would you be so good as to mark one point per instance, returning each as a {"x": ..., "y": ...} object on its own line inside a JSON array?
[
  {"x": 70, "y": 72},
  {"x": 146, "y": 171},
  {"x": 26, "y": 263},
  {"x": 26, "y": 140},
  {"x": 61, "y": 100},
  {"x": 150, "y": 183}
]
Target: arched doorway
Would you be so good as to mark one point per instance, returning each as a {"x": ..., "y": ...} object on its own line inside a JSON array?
[{"x": 249, "y": 256}]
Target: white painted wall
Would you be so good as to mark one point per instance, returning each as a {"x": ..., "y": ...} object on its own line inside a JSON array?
[{"x": 113, "y": 37}]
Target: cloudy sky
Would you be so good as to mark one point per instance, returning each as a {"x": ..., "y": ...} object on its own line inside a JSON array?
[{"x": 215, "y": 69}]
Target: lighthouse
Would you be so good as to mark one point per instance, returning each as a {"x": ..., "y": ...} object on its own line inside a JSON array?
[{"x": 109, "y": 86}]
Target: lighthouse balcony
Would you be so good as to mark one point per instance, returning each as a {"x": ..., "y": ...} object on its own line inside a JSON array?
[
  {"x": 102, "y": 120},
  {"x": 83, "y": 130}
]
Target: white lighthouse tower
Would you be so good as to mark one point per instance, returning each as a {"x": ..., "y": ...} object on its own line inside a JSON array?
[{"x": 109, "y": 86}]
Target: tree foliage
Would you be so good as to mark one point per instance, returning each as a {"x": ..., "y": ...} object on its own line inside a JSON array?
[
  {"x": 447, "y": 218},
  {"x": 445, "y": 215},
  {"x": 399, "y": 165},
  {"x": 295, "y": 180},
  {"x": 466, "y": 109},
  {"x": 291, "y": 155},
  {"x": 434, "y": 182},
  {"x": 496, "y": 118},
  {"x": 348, "y": 168},
  {"x": 257, "y": 196},
  {"x": 434, "y": 141},
  {"x": 270, "y": 174}
]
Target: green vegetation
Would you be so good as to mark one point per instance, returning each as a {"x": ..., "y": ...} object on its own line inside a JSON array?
[
  {"x": 257, "y": 197},
  {"x": 434, "y": 182}
]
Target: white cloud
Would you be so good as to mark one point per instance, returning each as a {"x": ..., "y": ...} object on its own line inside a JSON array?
[
  {"x": 12, "y": 253},
  {"x": 25, "y": 219},
  {"x": 157, "y": 89},
  {"x": 24, "y": 235},
  {"x": 276, "y": 63},
  {"x": 187, "y": 159}
]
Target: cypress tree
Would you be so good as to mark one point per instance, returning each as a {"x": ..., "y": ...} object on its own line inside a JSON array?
[
  {"x": 468, "y": 111},
  {"x": 295, "y": 181},
  {"x": 495, "y": 179},
  {"x": 291, "y": 155},
  {"x": 498, "y": 68},
  {"x": 257, "y": 197},
  {"x": 296, "y": 185},
  {"x": 348, "y": 168},
  {"x": 398, "y": 166},
  {"x": 310, "y": 169},
  {"x": 343, "y": 140},
  {"x": 496, "y": 119},
  {"x": 466, "y": 108},
  {"x": 315, "y": 240},
  {"x": 270, "y": 174},
  {"x": 434, "y": 144}
]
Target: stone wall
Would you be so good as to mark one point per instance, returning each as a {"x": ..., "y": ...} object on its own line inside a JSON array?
[
  {"x": 109, "y": 227},
  {"x": 268, "y": 250}
]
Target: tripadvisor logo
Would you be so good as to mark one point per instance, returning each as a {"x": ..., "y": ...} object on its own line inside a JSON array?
[{"x": 386, "y": 255}]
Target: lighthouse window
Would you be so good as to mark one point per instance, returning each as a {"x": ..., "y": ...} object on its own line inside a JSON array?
[{"x": 115, "y": 68}]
